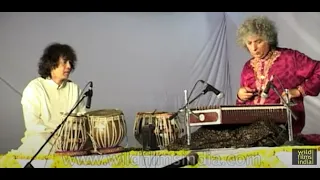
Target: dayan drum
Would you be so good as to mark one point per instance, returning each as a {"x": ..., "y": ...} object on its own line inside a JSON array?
[
  {"x": 72, "y": 136},
  {"x": 107, "y": 129},
  {"x": 164, "y": 131}
]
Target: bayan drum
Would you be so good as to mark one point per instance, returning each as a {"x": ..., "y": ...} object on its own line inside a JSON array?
[
  {"x": 72, "y": 137},
  {"x": 162, "y": 131},
  {"x": 107, "y": 129}
]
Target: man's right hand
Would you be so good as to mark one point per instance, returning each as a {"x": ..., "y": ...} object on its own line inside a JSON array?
[{"x": 245, "y": 93}]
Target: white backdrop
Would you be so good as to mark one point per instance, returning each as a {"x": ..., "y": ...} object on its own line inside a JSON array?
[{"x": 139, "y": 61}]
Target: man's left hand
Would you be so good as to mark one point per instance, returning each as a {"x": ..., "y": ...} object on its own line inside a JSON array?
[{"x": 293, "y": 93}]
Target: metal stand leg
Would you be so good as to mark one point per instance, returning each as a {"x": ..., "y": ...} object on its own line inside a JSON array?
[
  {"x": 187, "y": 117},
  {"x": 289, "y": 116}
]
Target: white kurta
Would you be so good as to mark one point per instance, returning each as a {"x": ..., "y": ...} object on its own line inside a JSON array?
[{"x": 43, "y": 102}]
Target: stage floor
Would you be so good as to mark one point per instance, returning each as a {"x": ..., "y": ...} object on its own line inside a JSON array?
[{"x": 263, "y": 157}]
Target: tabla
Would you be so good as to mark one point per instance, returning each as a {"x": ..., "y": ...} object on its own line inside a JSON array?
[
  {"x": 107, "y": 129},
  {"x": 166, "y": 131},
  {"x": 72, "y": 137}
]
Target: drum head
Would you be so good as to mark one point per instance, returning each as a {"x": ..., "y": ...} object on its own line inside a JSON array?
[
  {"x": 105, "y": 112},
  {"x": 153, "y": 113}
]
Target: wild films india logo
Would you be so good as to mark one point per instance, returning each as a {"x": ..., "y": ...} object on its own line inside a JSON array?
[{"x": 304, "y": 156}]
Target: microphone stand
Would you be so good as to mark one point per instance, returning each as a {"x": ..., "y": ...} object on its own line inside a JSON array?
[
  {"x": 290, "y": 114},
  {"x": 188, "y": 112},
  {"x": 86, "y": 94},
  {"x": 187, "y": 117}
]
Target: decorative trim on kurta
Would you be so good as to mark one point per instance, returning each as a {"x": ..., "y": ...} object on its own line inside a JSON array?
[{"x": 261, "y": 69}]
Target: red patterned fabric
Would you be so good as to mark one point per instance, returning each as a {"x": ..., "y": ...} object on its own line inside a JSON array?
[
  {"x": 294, "y": 69},
  {"x": 312, "y": 139}
]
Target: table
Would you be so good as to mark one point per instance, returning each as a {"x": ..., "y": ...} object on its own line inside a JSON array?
[{"x": 259, "y": 157}]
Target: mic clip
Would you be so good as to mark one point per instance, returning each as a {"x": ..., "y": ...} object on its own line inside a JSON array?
[{"x": 88, "y": 93}]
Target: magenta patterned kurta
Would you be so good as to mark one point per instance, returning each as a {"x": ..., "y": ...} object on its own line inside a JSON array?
[{"x": 294, "y": 69}]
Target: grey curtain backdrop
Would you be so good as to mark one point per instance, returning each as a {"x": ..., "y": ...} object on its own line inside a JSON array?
[{"x": 139, "y": 62}]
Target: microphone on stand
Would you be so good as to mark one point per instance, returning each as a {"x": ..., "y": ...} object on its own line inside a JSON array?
[
  {"x": 265, "y": 92},
  {"x": 290, "y": 113},
  {"x": 209, "y": 87},
  {"x": 190, "y": 159},
  {"x": 90, "y": 93}
]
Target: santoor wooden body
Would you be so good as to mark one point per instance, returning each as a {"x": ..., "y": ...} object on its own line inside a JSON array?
[
  {"x": 242, "y": 114},
  {"x": 72, "y": 136},
  {"x": 166, "y": 131},
  {"x": 107, "y": 127}
]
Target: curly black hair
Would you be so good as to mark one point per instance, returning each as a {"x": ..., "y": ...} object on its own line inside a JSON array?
[{"x": 50, "y": 58}]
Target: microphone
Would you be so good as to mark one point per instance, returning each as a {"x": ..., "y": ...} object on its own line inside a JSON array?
[
  {"x": 89, "y": 97},
  {"x": 190, "y": 159},
  {"x": 213, "y": 89},
  {"x": 208, "y": 88},
  {"x": 265, "y": 92}
]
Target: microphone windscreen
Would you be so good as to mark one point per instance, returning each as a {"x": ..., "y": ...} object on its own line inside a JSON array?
[{"x": 193, "y": 158}]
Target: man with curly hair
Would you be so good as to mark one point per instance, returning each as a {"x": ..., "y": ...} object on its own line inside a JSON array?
[
  {"x": 296, "y": 71},
  {"x": 47, "y": 97}
]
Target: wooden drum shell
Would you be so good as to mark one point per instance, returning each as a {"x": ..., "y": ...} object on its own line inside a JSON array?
[
  {"x": 107, "y": 127},
  {"x": 166, "y": 131},
  {"x": 72, "y": 136}
]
